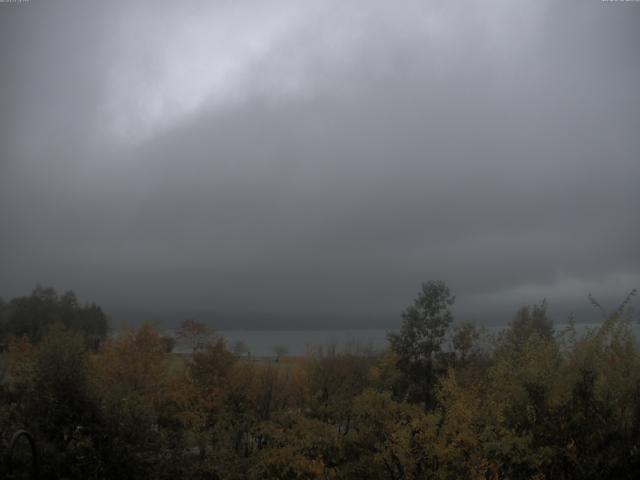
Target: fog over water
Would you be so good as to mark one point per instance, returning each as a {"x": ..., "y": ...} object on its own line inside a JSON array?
[
  {"x": 261, "y": 343},
  {"x": 305, "y": 165}
]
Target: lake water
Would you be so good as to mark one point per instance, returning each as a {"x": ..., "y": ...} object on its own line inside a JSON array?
[{"x": 299, "y": 342}]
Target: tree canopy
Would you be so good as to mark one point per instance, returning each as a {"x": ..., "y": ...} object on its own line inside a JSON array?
[
  {"x": 34, "y": 315},
  {"x": 419, "y": 344},
  {"x": 443, "y": 401}
]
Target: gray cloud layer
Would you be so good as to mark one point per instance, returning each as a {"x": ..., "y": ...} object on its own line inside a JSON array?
[{"x": 281, "y": 159}]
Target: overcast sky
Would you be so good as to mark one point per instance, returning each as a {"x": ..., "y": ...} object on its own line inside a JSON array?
[{"x": 320, "y": 158}]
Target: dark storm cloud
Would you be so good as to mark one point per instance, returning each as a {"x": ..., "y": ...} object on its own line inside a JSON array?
[{"x": 286, "y": 160}]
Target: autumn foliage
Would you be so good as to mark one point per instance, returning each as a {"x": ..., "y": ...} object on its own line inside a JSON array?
[{"x": 444, "y": 401}]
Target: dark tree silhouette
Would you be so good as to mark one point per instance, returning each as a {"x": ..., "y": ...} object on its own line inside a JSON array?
[{"x": 419, "y": 344}]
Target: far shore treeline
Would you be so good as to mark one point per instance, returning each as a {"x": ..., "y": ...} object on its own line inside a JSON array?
[{"x": 444, "y": 400}]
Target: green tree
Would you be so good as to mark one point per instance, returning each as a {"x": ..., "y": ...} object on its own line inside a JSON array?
[
  {"x": 59, "y": 406},
  {"x": 419, "y": 343},
  {"x": 34, "y": 315},
  {"x": 529, "y": 320},
  {"x": 465, "y": 342}
]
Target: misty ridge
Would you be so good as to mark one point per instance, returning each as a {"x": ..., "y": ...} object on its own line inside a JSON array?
[{"x": 319, "y": 240}]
